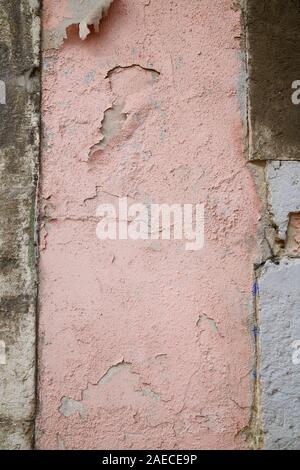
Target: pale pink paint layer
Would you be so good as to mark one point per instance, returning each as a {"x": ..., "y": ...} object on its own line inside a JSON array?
[{"x": 179, "y": 382}]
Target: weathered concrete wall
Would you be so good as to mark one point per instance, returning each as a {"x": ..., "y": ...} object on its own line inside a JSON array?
[
  {"x": 19, "y": 148},
  {"x": 142, "y": 344}
]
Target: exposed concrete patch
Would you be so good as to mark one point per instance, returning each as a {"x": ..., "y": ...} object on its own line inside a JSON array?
[
  {"x": 60, "y": 443},
  {"x": 114, "y": 370},
  {"x": 69, "y": 407},
  {"x": 111, "y": 125},
  {"x": 279, "y": 307},
  {"x": 129, "y": 85},
  {"x": 213, "y": 325},
  {"x": 84, "y": 13},
  {"x": 147, "y": 392},
  {"x": 283, "y": 180}
]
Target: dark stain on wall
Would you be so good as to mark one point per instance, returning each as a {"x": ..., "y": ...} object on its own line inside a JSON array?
[{"x": 272, "y": 29}]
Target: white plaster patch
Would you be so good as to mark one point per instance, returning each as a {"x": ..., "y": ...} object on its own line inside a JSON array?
[
  {"x": 2, "y": 353},
  {"x": 2, "y": 92},
  {"x": 283, "y": 179},
  {"x": 69, "y": 407}
]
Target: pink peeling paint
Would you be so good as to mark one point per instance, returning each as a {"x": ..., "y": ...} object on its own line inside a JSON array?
[{"x": 143, "y": 344}]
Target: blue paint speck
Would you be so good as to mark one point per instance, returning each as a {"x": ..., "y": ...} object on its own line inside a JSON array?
[
  {"x": 255, "y": 289},
  {"x": 255, "y": 331}
]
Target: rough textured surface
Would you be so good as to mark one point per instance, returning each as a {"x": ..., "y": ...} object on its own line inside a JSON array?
[
  {"x": 19, "y": 143},
  {"x": 283, "y": 180},
  {"x": 279, "y": 307},
  {"x": 273, "y": 37},
  {"x": 153, "y": 342}
]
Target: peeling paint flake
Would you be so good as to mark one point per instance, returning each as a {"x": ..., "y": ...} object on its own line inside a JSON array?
[
  {"x": 69, "y": 407},
  {"x": 91, "y": 13},
  {"x": 111, "y": 124},
  {"x": 84, "y": 13}
]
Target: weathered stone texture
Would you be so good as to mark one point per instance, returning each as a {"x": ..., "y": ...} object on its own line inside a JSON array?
[
  {"x": 19, "y": 149},
  {"x": 279, "y": 314}
]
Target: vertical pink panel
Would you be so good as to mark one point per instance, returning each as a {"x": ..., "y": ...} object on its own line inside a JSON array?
[{"x": 142, "y": 343}]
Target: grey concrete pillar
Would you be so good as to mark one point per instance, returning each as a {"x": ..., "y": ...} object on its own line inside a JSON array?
[{"x": 19, "y": 157}]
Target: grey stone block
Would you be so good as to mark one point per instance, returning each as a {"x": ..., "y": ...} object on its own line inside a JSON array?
[{"x": 279, "y": 316}]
